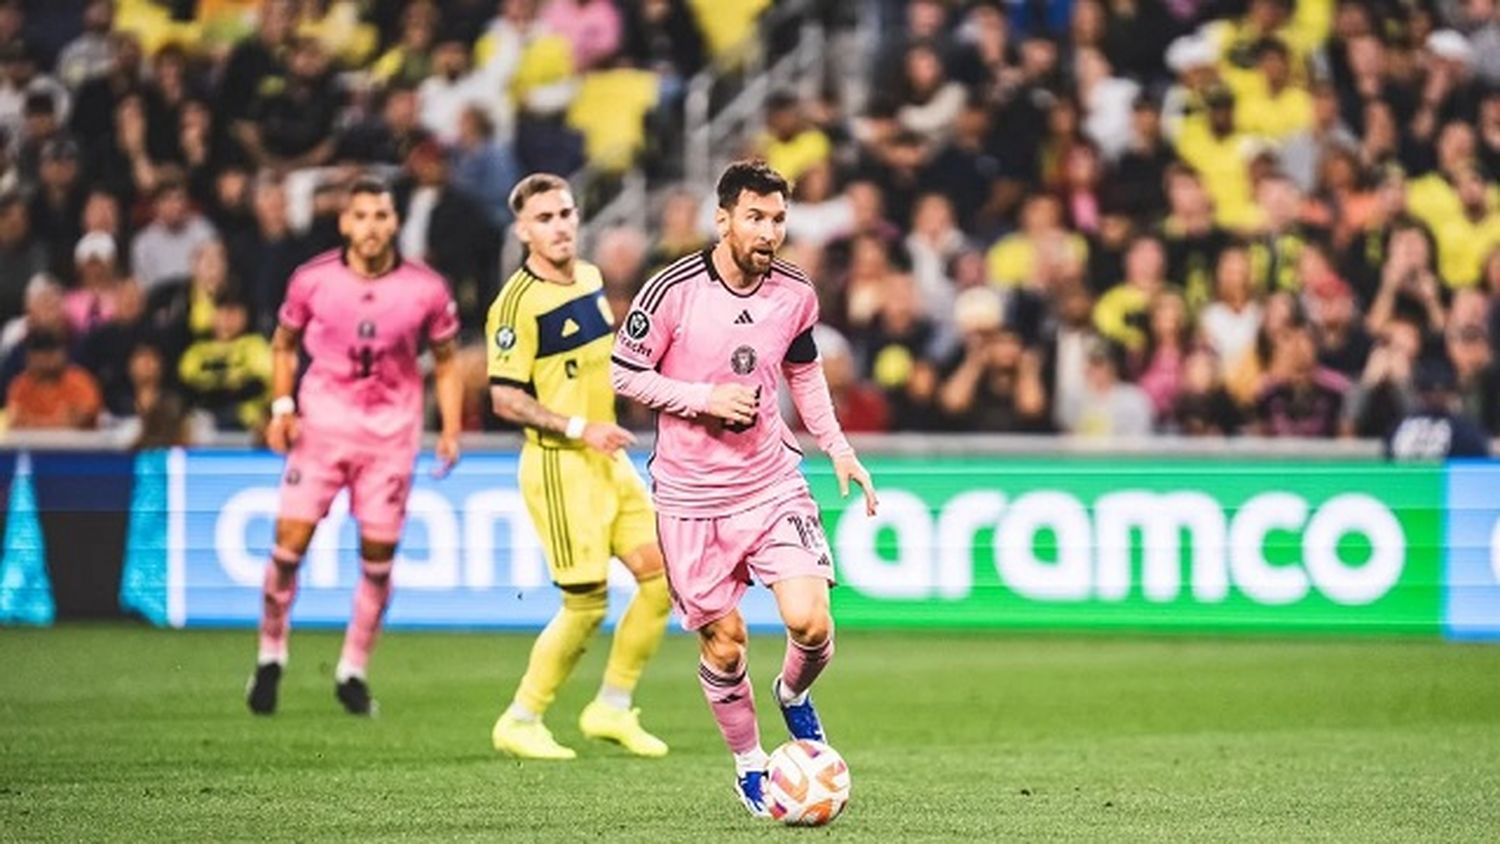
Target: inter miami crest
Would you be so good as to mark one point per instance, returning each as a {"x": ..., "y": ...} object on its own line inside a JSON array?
[
  {"x": 743, "y": 360},
  {"x": 637, "y": 325},
  {"x": 366, "y": 329}
]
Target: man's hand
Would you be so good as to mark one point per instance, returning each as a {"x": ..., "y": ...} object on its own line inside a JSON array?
[
  {"x": 848, "y": 468},
  {"x": 606, "y": 437},
  {"x": 282, "y": 432},
  {"x": 733, "y": 403},
  {"x": 447, "y": 452}
]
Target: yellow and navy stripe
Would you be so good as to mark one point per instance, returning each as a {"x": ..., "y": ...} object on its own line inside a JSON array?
[{"x": 557, "y": 510}]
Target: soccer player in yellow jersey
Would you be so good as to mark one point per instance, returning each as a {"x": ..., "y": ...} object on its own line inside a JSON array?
[{"x": 550, "y": 334}]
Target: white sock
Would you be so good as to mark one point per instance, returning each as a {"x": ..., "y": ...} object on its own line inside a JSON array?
[
  {"x": 754, "y": 760},
  {"x": 520, "y": 713},
  {"x": 268, "y": 657},
  {"x": 614, "y": 696},
  {"x": 787, "y": 698},
  {"x": 345, "y": 672}
]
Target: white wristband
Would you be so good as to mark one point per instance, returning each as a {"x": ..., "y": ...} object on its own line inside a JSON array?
[
  {"x": 284, "y": 406},
  {"x": 575, "y": 427}
]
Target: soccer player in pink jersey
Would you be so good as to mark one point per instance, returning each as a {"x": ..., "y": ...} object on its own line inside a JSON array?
[
  {"x": 363, "y": 315},
  {"x": 702, "y": 345}
]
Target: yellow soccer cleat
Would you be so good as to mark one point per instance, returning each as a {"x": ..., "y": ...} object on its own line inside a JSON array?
[
  {"x": 622, "y": 726},
  {"x": 527, "y": 740}
]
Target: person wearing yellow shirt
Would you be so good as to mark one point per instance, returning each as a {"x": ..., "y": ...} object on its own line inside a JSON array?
[
  {"x": 1303, "y": 26},
  {"x": 1041, "y": 252},
  {"x": 1433, "y": 198},
  {"x": 1221, "y": 155},
  {"x": 1274, "y": 108},
  {"x": 1465, "y": 239},
  {"x": 789, "y": 145},
  {"x": 229, "y": 373},
  {"x": 1120, "y": 314},
  {"x": 409, "y": 60}
]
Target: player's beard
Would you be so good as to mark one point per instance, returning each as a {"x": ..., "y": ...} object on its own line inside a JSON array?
[
  {"x": 375, "y": 253},
  {"x": 752, "y": 263}
]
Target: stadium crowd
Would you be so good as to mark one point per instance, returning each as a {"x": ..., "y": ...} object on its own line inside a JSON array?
[{"x": 1096, "y": 217}]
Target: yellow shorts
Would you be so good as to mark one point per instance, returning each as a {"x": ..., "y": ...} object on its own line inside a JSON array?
[{"x": 586, "y": 507}]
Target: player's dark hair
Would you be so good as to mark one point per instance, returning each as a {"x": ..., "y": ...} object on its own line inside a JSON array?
[
  {"x": 370, "y": 185},
  {"x": 755, "y": 176}
]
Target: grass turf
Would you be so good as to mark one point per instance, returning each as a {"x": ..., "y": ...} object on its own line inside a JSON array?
[{"x": 124, "y": 733}]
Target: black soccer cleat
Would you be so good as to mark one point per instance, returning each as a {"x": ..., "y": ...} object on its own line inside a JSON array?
[
  {"x": 260, "y": 694},
  {"x": 354, "y": 694}
]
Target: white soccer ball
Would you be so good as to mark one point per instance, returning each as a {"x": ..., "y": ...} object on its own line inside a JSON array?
[{"x": 807, "y": 783}]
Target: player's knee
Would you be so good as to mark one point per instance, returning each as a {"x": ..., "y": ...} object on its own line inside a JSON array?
[
  {"x": 590, "y": 602},
  {"x": 292, "y": 539},
  {"x": 654, "y": 595},
  {"x": 810, "y": 628},
  {"x": 724, "y": 642},
  {"x": 376, "y": 571},
  {"x": 376, "y": 550}
]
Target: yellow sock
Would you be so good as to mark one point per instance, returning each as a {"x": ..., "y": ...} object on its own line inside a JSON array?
[
  {"x": 638, "y": 634},
  {"x": 559, "y": 646}
]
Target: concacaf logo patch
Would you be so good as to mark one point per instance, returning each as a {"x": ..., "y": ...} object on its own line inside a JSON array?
[{"x": 505, "y": 338}]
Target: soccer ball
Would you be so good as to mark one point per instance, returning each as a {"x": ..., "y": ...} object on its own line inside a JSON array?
[{"x": 808, "y": 783}]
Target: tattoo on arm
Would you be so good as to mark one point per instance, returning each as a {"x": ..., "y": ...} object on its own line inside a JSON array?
[{"x": 517, "y": 406}]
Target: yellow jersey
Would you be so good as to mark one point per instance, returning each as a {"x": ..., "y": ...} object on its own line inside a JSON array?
[{"x": 554, "y": 341}]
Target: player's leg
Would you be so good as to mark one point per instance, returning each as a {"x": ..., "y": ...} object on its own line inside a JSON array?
[
  {"x": 372, "y": 595},
  {"x": 723, "y": 647},
  {"x": 639, "y": 633},
  {"x": 314, "y": 474},
  {"x": 379, "y": 484},
  {"x": 792, "y": 557},
  {"x": 577, "y": 554},
  {"x": 278, "y": 590}
]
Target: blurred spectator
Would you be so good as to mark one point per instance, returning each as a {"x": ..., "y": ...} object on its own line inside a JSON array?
[
  {"x": 1221, "y": 155},
  {"x": 1465, "y": 238},
  {"x": 679, "y": 234},
  {"x": 1477, "y": 377},
  {"x": 21, "y": 81},
  {"x": 43, "y": 307},
  {"x": 1191, "y": 236},
  {"x": 21, "y": 255},
  {"x": 1434, "y": 429},
  {"x": 183, "y": 310},
  {"x": 160, "y": 413},
  {"x": 992, "y": 383},
  {"x": 387, "y": 137},
  {"x": 39, "y": 127},
  {"x": 661, "y": 36},
  {"x": 967, "y": 172},
  {"x": 1041, "y": 252},
  {"x": 934, "y": 242},
  {"x": 821, "y": 214},
  {"x": 895, "y": 352},
  {"x": 290, "y": 126},
  {"x": 1302, "y": 398},
  {"x": 1305, "y": 155},
  {"x": 930, "y": 102},
  {"x": 91, "y": 54},
  {"x": 1065, "y": 350},
  {"x": 164, "y": 250},
  {"x": 1276, "y": 248},
  {"x": 93, "y": 116},
  {"x": 105, "y": 351},
  {"x": 791, "y": 145},
  {"x": 467, "y": 251},
  {"x": 485, "y": 165},
  {"x": 266, "y": 258},
  {"x": 593, "y": 28},
  {"x": 56, "y": 209},
  {"x": 860, "y": 407},
  {"x": 1343, "y": 345},
  {"x": 52, "y": 393},
  {"x": 92, "y": 302},
  {"x": 452, "y": 89},
  {"x": 255, "y": 61},
  {"x": 620, "y": 255},
  {"x": 229, "y": 373},
  {"x": 1108, "y": 102},
  {"x": 1138, "y": 181},
  {"x": 1203, "y": 408},
  {"x": 1408, "y": 286},
  {"x": 1162, "y": 359},
  {"x": 1120, "y": 314},
  {"x": 1384, "y": 392},
  {"x": 1230, "y": 322},
  {"x": 1106, "y": 406},
  {"x": 409, "y": 61},
  {"x": 1279, "y": 109}
]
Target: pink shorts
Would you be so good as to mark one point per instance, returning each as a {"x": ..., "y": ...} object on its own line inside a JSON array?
[
  {"x": 710, "y": 560},
  {"x": 378, "y": 476}
]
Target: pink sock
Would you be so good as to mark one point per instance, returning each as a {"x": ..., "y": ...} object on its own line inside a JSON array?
[
  {"x": 804, "y": 663},
  {"x": 370, "y": 599},
  {"x": 277, "y": 593},
  {"x": 733, "y": 703}
]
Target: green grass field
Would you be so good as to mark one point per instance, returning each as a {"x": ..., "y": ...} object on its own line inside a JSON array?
[{"x": 124, "y": 733}]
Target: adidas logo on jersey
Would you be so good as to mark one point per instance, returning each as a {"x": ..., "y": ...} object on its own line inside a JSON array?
[
  {"x": 744, "y": 319},
  {"x": 569, "y": 328}
]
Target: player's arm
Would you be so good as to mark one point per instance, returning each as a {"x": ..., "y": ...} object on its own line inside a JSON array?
[
  {"x": 282, "y": 430},
  {"x": 511, "y": 335},
  {"x": 639, "y": 347},
  {"x": 803, "y": 370},
  {"x": 449, "y": 386}
]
